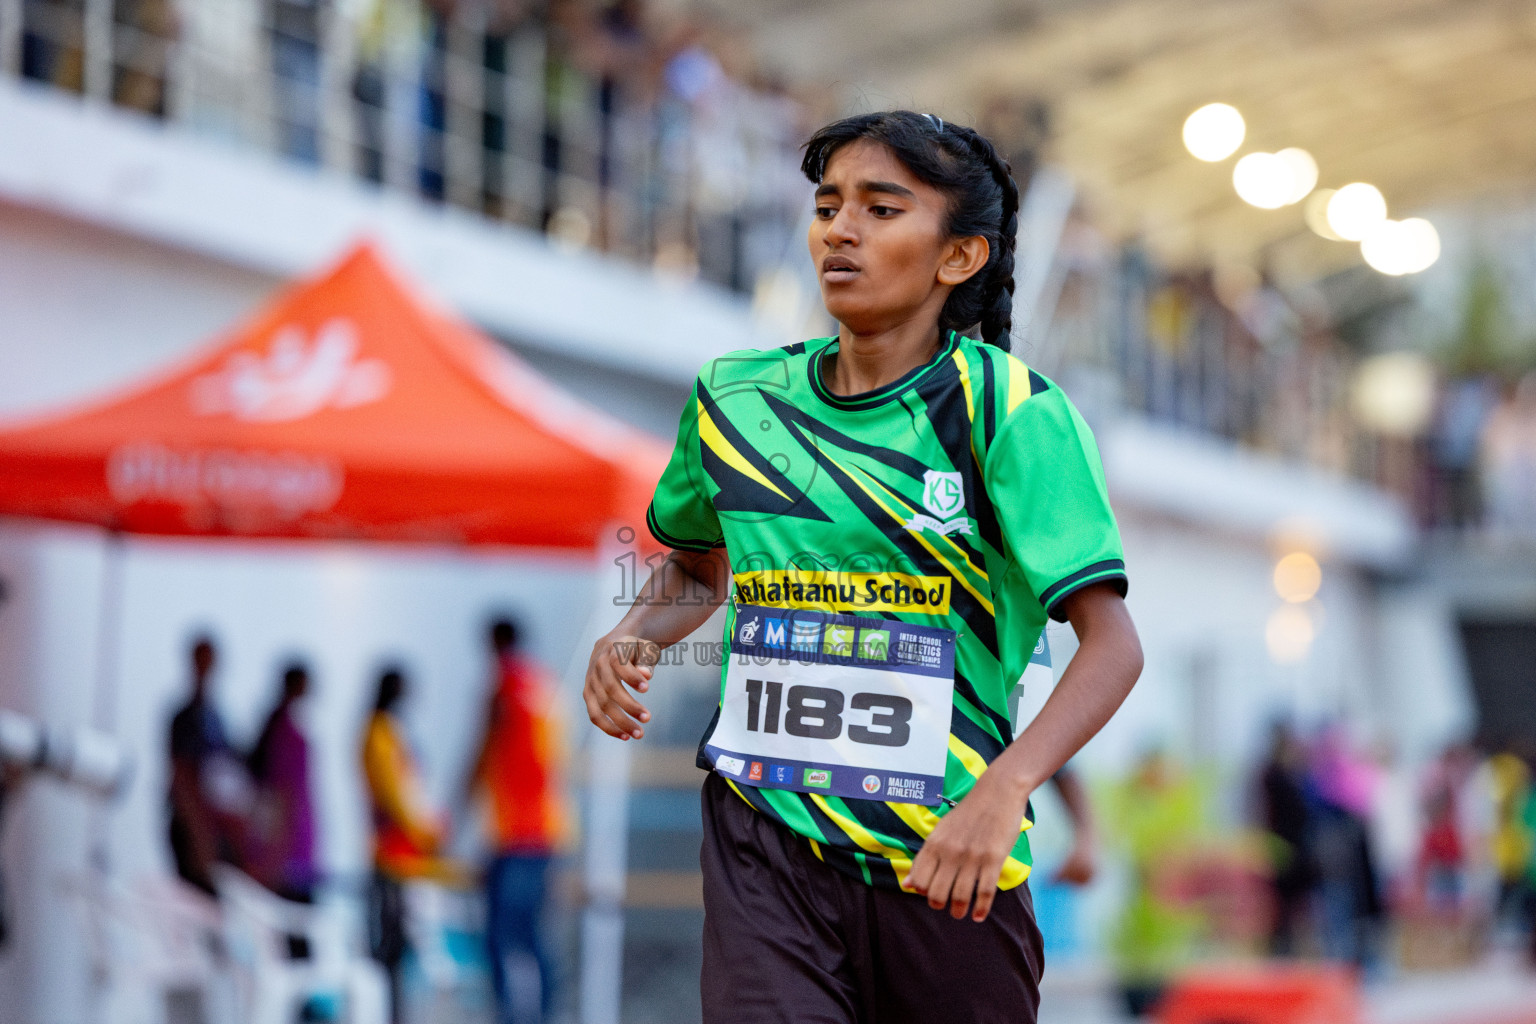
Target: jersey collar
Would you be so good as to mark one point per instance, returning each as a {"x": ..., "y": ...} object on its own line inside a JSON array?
[{"x": 881, "y": 395}]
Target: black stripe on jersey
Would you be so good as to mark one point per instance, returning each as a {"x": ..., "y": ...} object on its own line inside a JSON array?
[
  {"x": 989, "y": 399},
  {"x": 793, "y": 349},
  {"x": 964, "y": 729},
  {"x": 982, "y": 625},
  {"x": 878, "y": 817},
  {"x": 944, "y": 396},
  {"x": 986, "y": 513},
  {"x": 881, "y": 874},
  {"x": 740, "y": 493},
  {"x": 899, "y": 461},
  {"x": 1037, "y": 383},
  {"x": 1054, "y": 590},
  {"x": 844, "y": 862},
  {"x": 836, "y": 836}
]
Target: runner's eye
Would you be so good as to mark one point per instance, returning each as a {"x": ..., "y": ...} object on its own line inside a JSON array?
[
  {"x": 884, "y": 211},
  {"x": 826, "y": 212}
]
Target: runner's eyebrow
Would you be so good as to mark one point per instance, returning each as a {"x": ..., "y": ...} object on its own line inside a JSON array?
[{"x": 887, "y": 187}]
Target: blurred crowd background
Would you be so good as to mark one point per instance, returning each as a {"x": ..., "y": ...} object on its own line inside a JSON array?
[{"x": 1318, "y": 426}]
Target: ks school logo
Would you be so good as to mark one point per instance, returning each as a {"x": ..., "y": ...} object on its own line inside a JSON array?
[{"x": 943, "y": 495}]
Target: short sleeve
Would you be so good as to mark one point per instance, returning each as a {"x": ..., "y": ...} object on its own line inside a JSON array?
[
  {"x": 1046, "y": 482},
  {"x": 681, "y": 514}
]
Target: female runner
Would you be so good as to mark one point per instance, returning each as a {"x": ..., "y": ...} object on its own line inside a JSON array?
[{"x": 895, "y": 511}]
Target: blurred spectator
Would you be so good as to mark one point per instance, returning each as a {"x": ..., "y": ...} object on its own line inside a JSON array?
[
  {"x": 282, "y": 829},
  {"x": 1514, "y": 846},
  {"x": 147, "y": 29},
  {"x": 1509, "y": 462},
  {"x": 406, "y": 834},
  {"x": 208, "y": 786},
  {"x": 518, "y": 769},
  {"x": 1160, "y": 823},
  {"x": 1342, "y": 786},
  {"x": 296, "y": 26},
  {"x": 1443, "y": 853},
  {"x": 50, "y": 43},
  {"x": 1288, "y": 820},
  {"x": 1464, "y": 409},
  {"x": 1081, "y": 863}
]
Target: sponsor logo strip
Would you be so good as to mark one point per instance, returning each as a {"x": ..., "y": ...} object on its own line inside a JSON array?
[
  {"x": 846, "y": 781},
  {"x": 770, "y": 635}
]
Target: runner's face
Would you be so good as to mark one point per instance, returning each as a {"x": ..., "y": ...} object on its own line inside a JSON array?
[{"x": 878, "y": 241}]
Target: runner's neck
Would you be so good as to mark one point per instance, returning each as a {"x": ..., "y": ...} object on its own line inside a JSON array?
[{"x": 864, "y": 363}]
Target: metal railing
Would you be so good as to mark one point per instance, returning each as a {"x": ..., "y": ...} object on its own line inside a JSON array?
[{"x": 586, "y": 130}]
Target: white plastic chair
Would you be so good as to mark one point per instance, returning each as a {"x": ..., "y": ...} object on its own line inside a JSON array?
[
  {"x": 156, "y": 949},
  {"x": 272, "y": 987},
  {"x": 456, "y": 989}
]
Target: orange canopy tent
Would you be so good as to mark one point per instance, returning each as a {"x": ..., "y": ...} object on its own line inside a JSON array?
[{"x": 347, "y": 408}]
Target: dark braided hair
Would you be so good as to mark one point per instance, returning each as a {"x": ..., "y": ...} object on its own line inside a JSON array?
[{"x": 984, "y": 200}]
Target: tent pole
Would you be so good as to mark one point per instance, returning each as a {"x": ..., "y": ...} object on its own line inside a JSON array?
[
  {"x": 109, "y": 633},
  {"x": 103, "y": 712},
  {"x": 605, "y": 856}
]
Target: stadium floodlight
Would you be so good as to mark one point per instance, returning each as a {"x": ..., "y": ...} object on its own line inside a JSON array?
[
  {"x": 1398, "y": 247},
  {"x": 1303, "y": 173},
  {"x": 1355, "y": 209},
  {"x": 1264, "y": 180},
  {"x": 1214, "y": 132}
]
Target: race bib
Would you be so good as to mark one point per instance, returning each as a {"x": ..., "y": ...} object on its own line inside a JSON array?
[{"x": 847, "y": 706}]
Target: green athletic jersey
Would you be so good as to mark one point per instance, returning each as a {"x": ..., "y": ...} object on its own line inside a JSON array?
[{"x": 967, "y": 495}]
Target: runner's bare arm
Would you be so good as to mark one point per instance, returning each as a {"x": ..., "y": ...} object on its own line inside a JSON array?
[
  {"x": 963, "y": 857},
  {"x": 668, "y": 609}
]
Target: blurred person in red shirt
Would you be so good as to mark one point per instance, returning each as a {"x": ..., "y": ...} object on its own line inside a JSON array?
[
  {"x": 517, "y": 770},
  {"x": 407, "y": 834}
]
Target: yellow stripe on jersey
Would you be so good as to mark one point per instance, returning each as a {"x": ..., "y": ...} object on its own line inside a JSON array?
[
  {"x": 710, "y": 435},
  {"x": 1018, "y": 382},
  {"x": 973, "y": 761},
  {"x": 970, "y": 400},
  {"x": 899, "y": 859},
  {"x": 986, "y": 602}
]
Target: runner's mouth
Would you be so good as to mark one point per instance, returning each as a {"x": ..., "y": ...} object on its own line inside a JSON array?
[{"x": 838, "y": 269}]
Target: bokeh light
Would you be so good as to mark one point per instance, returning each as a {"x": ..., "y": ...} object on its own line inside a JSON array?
[
  {"x": 1264, "y": 180},
  {"x": 1289, "y": 634},
  {"x": 1316, "y": 213},
  {"x": 1393, "y": 394},
  {"x": 1303, "y": 169},
  {"x": 1298, "y": 577},
  {"x": 1214, "y": 132},
  {"x": 1397, "y": 247},
  {"x": 1354, "y": 209}
]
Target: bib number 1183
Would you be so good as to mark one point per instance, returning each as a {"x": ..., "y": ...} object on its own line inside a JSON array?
[{"x": 816, "y": 713}]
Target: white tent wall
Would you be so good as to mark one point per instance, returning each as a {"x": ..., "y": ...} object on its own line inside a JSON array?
[
  {"x": 88, "y": 309},
  {"x": 345, "y": 610}
]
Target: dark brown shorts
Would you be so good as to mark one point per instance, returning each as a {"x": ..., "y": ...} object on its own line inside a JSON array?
[{"x": 789, "y": 939}]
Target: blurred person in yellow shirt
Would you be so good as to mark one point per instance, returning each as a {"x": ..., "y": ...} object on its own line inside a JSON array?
[
  {"x": 517, "y": 770},
  {"x": 407, "y": 833}
]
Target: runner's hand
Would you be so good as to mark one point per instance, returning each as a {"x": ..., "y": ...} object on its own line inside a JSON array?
[
  {"x": 963, "y": 856},
  {"x": 618, "y": 662}
]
